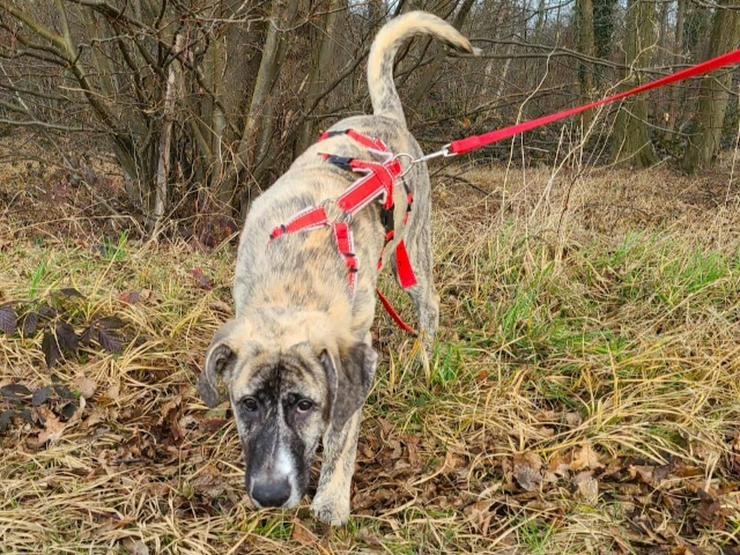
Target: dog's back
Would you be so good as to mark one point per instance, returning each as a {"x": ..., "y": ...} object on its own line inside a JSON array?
[{"x": 287, "y": 272}]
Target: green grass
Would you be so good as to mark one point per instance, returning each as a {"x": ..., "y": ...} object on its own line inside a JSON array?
[{"x": 535, "y": 536}]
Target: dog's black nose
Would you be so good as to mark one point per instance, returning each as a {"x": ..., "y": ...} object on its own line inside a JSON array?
[{"x": 271, "y": 493}]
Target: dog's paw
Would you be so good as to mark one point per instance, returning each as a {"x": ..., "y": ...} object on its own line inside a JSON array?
[{"x": 331, "y": 511}]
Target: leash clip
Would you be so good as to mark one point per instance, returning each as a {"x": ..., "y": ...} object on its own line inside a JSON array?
[{"x": 443, "y": 152}]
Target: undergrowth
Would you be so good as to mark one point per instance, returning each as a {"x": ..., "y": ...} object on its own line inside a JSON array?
[{"x": 583, "y": 395}]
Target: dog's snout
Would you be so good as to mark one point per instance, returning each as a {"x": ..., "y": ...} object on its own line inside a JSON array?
[{"x": 271, "y": 493}]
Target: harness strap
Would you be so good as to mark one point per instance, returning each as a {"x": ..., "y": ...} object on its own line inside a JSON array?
[
  {"x": 364, "y": 140},
  {"x": 406, "y": 275},
  {"x": 377, "y": 183},
  {"x": 346, "y": 246},
  {"x": 306, "y": 220}
]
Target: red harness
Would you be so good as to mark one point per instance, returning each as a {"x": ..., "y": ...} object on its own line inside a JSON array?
[
  {"x": 378, "y": 183},
  {"x": 379, "y": 180}
]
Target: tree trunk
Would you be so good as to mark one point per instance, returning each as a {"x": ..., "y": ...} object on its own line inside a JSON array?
[
  {"x": 631, "y": 138},
  {"x": 585, "y": 27},
  {"x": 603, "y": 19},
  {"x": 678, "y": 49},
  {"x": 320, "y": 71},
  {"x": 269, "y": 70},
  {"x": 714, "y": 90},
  {"x": 541, "y": 17},
  {"x": 165, "y": 137}
]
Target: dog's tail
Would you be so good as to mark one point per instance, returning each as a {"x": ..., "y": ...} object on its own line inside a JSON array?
[{"x": 383, "y": 92}]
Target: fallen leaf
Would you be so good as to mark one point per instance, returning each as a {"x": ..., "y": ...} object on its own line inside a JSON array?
[
  {"x": 302, "y": 535},
  {"x": 68, "y": 411},
  {"x": 413, "y": 448},
  {"x": 102, "y": 332},
  {"x": 573, "y": 419},
  {"x": 201, "y": 279},
  {"x": 30, "y": 324},
  {"x": 14, "y": 391},
  {"x": 64, "y": 392},
  {"x": 527, "y": 470},
  {"x": 370, "y": 538},
  {"x": 113, "y": 391},
  {"x": 51, "y": 350},
  {"x": 85, "y": 386},
  {"x": 453, "y": 462},
  {"x": 130, "y": 297},
  {"x": 643, "y": 472},
  {"x": 585, "y": 458},
  {"x": 52, "y": 431},
  {"x": 8, "y": 319},
  {"x": 221, "y": 306},
  {"x": 70, "y": 292},
  {"x": 40, "y": 396},
  {"x": 63, "y": 340},
  {"x": 588, "y": 486},
  {"x": 480, "y": 515},
  {"x": 6, "y": 418},
  {"x": 211, "y": 425},
  {"x": 209, "y": 483},
  {"x": 110, "y": 341},
  {"x": 136, "y": 547},
  {"x": 709, "y": 512},
  {"x": 47, "y": 312},
  {"x": 559, "y": 465}
]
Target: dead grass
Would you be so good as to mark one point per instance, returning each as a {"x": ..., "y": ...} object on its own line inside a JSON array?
[{"x": 584, "y": 395}]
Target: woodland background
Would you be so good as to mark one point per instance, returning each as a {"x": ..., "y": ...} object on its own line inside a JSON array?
[{"x": 204, "y": 102}]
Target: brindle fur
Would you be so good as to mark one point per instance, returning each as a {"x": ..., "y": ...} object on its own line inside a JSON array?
[{"x": 298, "y": 333}]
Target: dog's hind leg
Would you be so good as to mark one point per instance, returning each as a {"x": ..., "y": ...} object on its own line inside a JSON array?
[{"x": 424, "y": 294}]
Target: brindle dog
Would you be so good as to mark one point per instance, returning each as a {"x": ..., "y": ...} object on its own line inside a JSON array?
[{"x": 297, "y": 361}]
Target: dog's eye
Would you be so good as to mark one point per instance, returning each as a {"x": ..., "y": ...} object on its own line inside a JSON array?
[
  {"x": 304, "y": 405},
  {"x": 250, "y": 404}
]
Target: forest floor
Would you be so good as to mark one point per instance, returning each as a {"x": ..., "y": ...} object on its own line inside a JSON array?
[{"x": 584, "y": 395}]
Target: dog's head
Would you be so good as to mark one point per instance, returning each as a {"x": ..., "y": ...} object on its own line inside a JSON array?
[{"x": 288, "y": 388}]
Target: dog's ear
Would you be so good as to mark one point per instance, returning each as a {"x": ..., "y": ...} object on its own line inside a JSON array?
[
  {"x": 349, "y": 381},
  {"x": 220, "y": 361}
]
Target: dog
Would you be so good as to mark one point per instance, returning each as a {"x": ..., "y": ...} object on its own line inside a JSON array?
[{"x": 297, "y": 362}]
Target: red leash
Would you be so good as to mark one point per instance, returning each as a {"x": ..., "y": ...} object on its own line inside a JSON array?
[
  {"x": 469, "y": 144},
  {"x": 393, "y": 313},
  {"x": 317, "y": 216}
]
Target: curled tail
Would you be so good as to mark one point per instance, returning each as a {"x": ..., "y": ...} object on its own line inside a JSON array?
[{"x": 383, "y": 92}]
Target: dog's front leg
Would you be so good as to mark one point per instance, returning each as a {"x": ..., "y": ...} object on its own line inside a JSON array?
[{"x": 331, "y": 503}]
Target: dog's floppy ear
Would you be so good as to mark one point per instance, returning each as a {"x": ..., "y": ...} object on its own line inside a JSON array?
[
  {"x": 220, "y": 360},
  {"x": 349, "y": 381}
]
